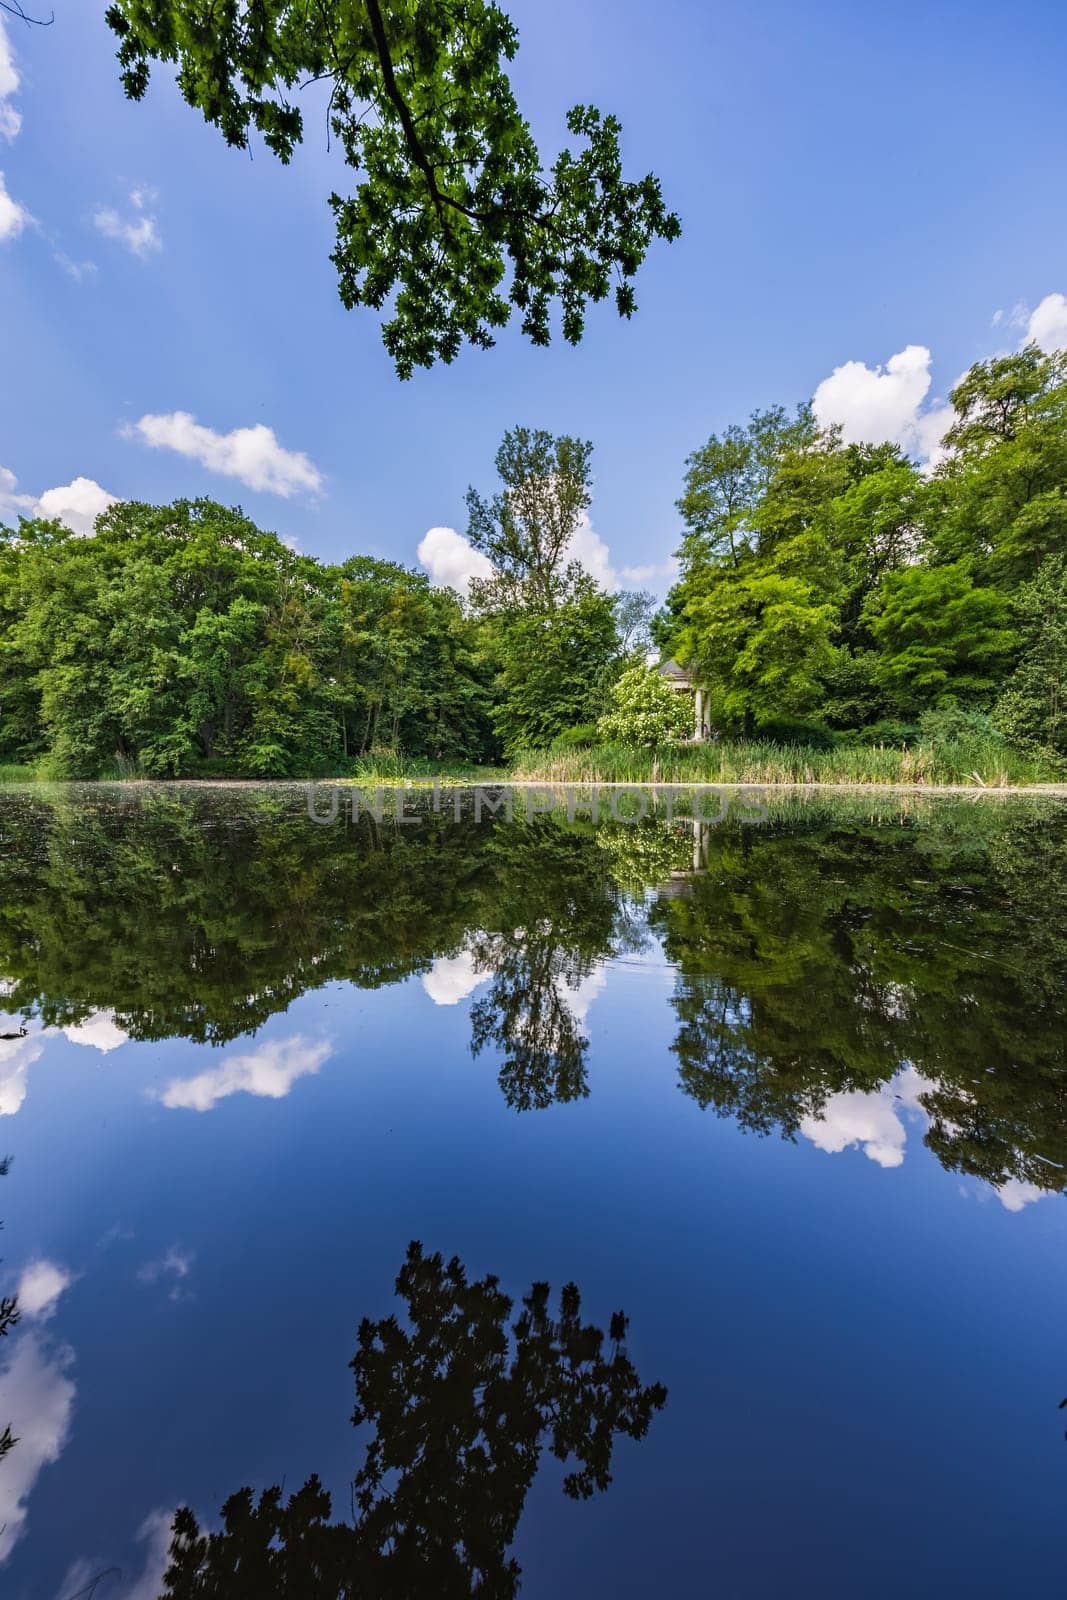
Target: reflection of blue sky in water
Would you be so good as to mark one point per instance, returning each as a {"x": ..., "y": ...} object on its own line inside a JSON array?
[
  {"x": 195, "y": 1282},
  {"x": 99, "y": 1031}
]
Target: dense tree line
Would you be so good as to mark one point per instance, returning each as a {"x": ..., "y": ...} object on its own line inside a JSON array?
[
  {"x": 839, "y": 585},
  {"x": 182, "y": 639},
  {"x": 827, "y": 591}
]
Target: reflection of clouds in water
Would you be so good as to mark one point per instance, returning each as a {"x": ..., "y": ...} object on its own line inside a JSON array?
[
  {"x": 16, "y": 1058},
  {"x": 270, "y": 1071},
  {"x": 1015, "y": 1194},
  {"x": 154, "y": 1534},
  {"x": 37, "y": 1398},
  {"x": 100, "y": 1030},
  {"x": 452, "y": 978},
  {"x": 871, "y": 1119},
  {"x": 580, "y": 996},
  {"x": 173, "y": 1266},
  {"x": 39, "y": 1288}
]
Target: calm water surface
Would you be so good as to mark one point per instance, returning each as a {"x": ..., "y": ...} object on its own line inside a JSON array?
[{"x": 787, "y": 1087}]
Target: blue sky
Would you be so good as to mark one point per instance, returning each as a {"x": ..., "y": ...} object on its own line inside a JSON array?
[{"x": 855, "y": 183}]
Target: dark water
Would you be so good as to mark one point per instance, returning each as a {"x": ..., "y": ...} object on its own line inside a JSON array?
[{"x": 787, "y": 1087}]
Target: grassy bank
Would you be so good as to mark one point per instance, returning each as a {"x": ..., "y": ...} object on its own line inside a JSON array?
[
  {"x": 372, "y": 772},
  {"x": 754, "y": 762},
  {"x": 968, "y": 763}
]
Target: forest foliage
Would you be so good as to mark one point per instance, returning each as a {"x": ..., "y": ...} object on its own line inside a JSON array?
[
  {"x": 183, "y": 640},
  {"x": 830, "y": 595},
  {"x": 840, "y": 588}
]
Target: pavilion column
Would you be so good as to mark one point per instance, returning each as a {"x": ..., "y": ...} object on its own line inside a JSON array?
[{"x": 698, "y": 731}]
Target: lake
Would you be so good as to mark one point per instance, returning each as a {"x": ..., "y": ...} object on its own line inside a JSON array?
[{"x": 305, "y": 1112}]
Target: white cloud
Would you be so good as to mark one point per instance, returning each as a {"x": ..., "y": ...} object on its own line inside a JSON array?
[
  {"x": 39, "y": 1288},
  {"x": 875, "y": 403},
  {"x": 270, "y": 1071},
  {"x": 77, "y": 504},
  {"x": 37, "y": 1398},
  {"x": 139, "y": 233},
  {"x": 451, "y": 560},
  {"x": 13, "y": 216},
  {"x": 99, "y": 1030},
  {"x": 253, "y": 455},
  {"x": 1047, "y": 324},
  {"x": 16, "y": 1058},
  {"x": 10, "y": 120},
  {"x": 589, "y": 548},
  {"x": 1014, "y": 1195},
  {"x": 172, "y": 1267},
  {"x": 871, "y": 1120},
  {"x": 649, "y": 570},
  {"x": 452, "y": 978},
  {"x": 78, "y": 270}
]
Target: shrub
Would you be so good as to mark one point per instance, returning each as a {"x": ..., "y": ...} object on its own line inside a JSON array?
[
  {"x": 580, "y": 737},
  {"x": 646, "y": 712}
]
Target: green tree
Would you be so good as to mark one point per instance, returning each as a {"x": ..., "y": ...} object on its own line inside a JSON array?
[
  {"x": 760, "y": 641},
  {"x": 941, "y": 636},
  {"x": 526, "y": 528},
  {"x": 555, "y": 667},
  {"x": 1032, "y": 706},
  {"x": 182, "y": 637},
  {"x": 726, "y": 479},
  {"x": 453, "y": 213},
  {"x": 645, "y": 710},
  {"x": 999, "y": 497}
]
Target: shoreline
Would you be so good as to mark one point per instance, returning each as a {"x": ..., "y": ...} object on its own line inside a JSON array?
[{"x": 428, "y": 785}]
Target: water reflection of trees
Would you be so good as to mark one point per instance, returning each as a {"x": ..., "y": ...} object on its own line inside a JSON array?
[
  {"x": 558, "y": 915},
  {"x": 815, "y": 955},
  {"x": 462, "y": 1401},
  {"x": 816, "y": 963}
]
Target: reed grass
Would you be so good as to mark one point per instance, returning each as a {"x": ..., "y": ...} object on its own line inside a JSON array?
[{"x": 969, "y": 764}]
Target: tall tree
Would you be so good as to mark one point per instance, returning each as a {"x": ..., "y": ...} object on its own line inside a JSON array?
[
  {"x": 526, "y": 528},
  {"x": 453, "y": 211},
  {"x": 726, "y": 479},
  {"x": 1000, "y": 497},
  {"x": 555, "y": 667}
]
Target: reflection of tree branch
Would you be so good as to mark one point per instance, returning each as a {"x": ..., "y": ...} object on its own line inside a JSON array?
[
  {"x": 14, "y": 9},
  {"x": 463, "y": 1401}
]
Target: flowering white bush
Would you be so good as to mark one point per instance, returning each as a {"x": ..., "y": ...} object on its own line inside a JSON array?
[{"x": 645, "y": 711}]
